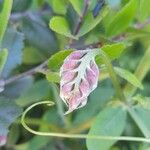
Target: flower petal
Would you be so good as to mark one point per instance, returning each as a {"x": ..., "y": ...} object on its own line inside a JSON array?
[
  {"x": 84, "y": 87},
  {"x": 69, "y": 65},
  {"x": 77, "y": 55},
  {"x": 3, "y": 140},
  {"x": 68, "y": 76}
]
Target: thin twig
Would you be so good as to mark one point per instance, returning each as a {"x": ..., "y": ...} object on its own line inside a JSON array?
[
  {"x": 123, "y": 36},
  {"x": 39, "y": 122},
  {"x": 27, "y": 73},
  {"x": 77, "y": 29},
  {"x": 93, "y": 45},
  {"x": 77, "y": 136},
  {"x": 142, "y": 25},
  {"x": 20, "y": 15},
  {"x": 79, "y": 23},
  {"x": 140, "y": 72}
]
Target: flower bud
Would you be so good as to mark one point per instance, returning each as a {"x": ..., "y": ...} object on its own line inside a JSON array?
[{"x": 79, "y": 77}]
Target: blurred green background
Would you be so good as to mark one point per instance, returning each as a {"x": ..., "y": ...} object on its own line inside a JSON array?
[{"x": 30, "y": 42}]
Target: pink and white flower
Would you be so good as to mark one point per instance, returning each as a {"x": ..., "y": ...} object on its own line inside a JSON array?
[{"x": 79, "y": 77}]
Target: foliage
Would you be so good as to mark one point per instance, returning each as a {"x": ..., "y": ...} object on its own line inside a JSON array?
[{"x": 37, "y": 37}]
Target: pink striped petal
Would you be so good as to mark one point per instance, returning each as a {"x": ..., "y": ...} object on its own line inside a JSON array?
[
  {"x": 68, "y": 76},
  {"x": 65, "y": 90},
  {"x": 70, "y": 65},
  {"x": 84, "y": 87},
  {"x": 76, "y": 55},
  {"x": 91, "y": 77}
]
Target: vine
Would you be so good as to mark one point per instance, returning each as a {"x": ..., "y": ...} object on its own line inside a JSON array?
[{"x": 75, "y": 136}]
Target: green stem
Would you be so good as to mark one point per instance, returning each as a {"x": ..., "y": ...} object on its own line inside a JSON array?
[
  {"x": 112, "y": 75},
  {"x": 78, "y": 136},
  {"x": 140, "y": 73},
  {"x": 38, "y": 122},
  {"x": 4, "y": 17},
  {"x": 59, "y": 105}
]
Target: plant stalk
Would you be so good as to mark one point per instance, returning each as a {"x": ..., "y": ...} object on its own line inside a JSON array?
[
  {"x": 140, "y": 73},
  {"x": 112, "y": 75}
]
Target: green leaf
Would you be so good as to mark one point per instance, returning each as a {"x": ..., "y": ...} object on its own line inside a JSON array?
[
  {"x": 144, "y": 9},
  {"x": 77, "y": 5},
  {"x": 36, "y": 4},
  {"x": 141, "y": 101},
  {"x": 37, "y": 143},
  {"x": 113, "y": 51},
  {"x": 111, "y": 122},
  {"x": 13, "y": 41},
  {"x": 53, "y": 77},
  {"x": 59, "y": 6},
  {"x": 3, "y": 58},
  {"x": 32, "y": 56},
  {"x": 141, "y": 71},
  {"x": 56, "y": 61},
  {"x": 4, "y": 17},
  {"x": 61, "y": 26},
  {"x": 141, "y": 117},
  {"x": 123, "y": 18},
  {"x": 38, "y": 91},
  {"x": 93, "y": 3},
  {"x": 16, "y": 88},
  {"x": 90, "y": 22},
  {"x": 14, "y": 134},
  {"x": 134, "y": 33},
  {"x": 21, "y": 5},
  {"x": 9, "y": 111},
  {"x": 143, "y": 114},
  {"x": 38, "y": 35},
  {"x": 131, "y": 78}
]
